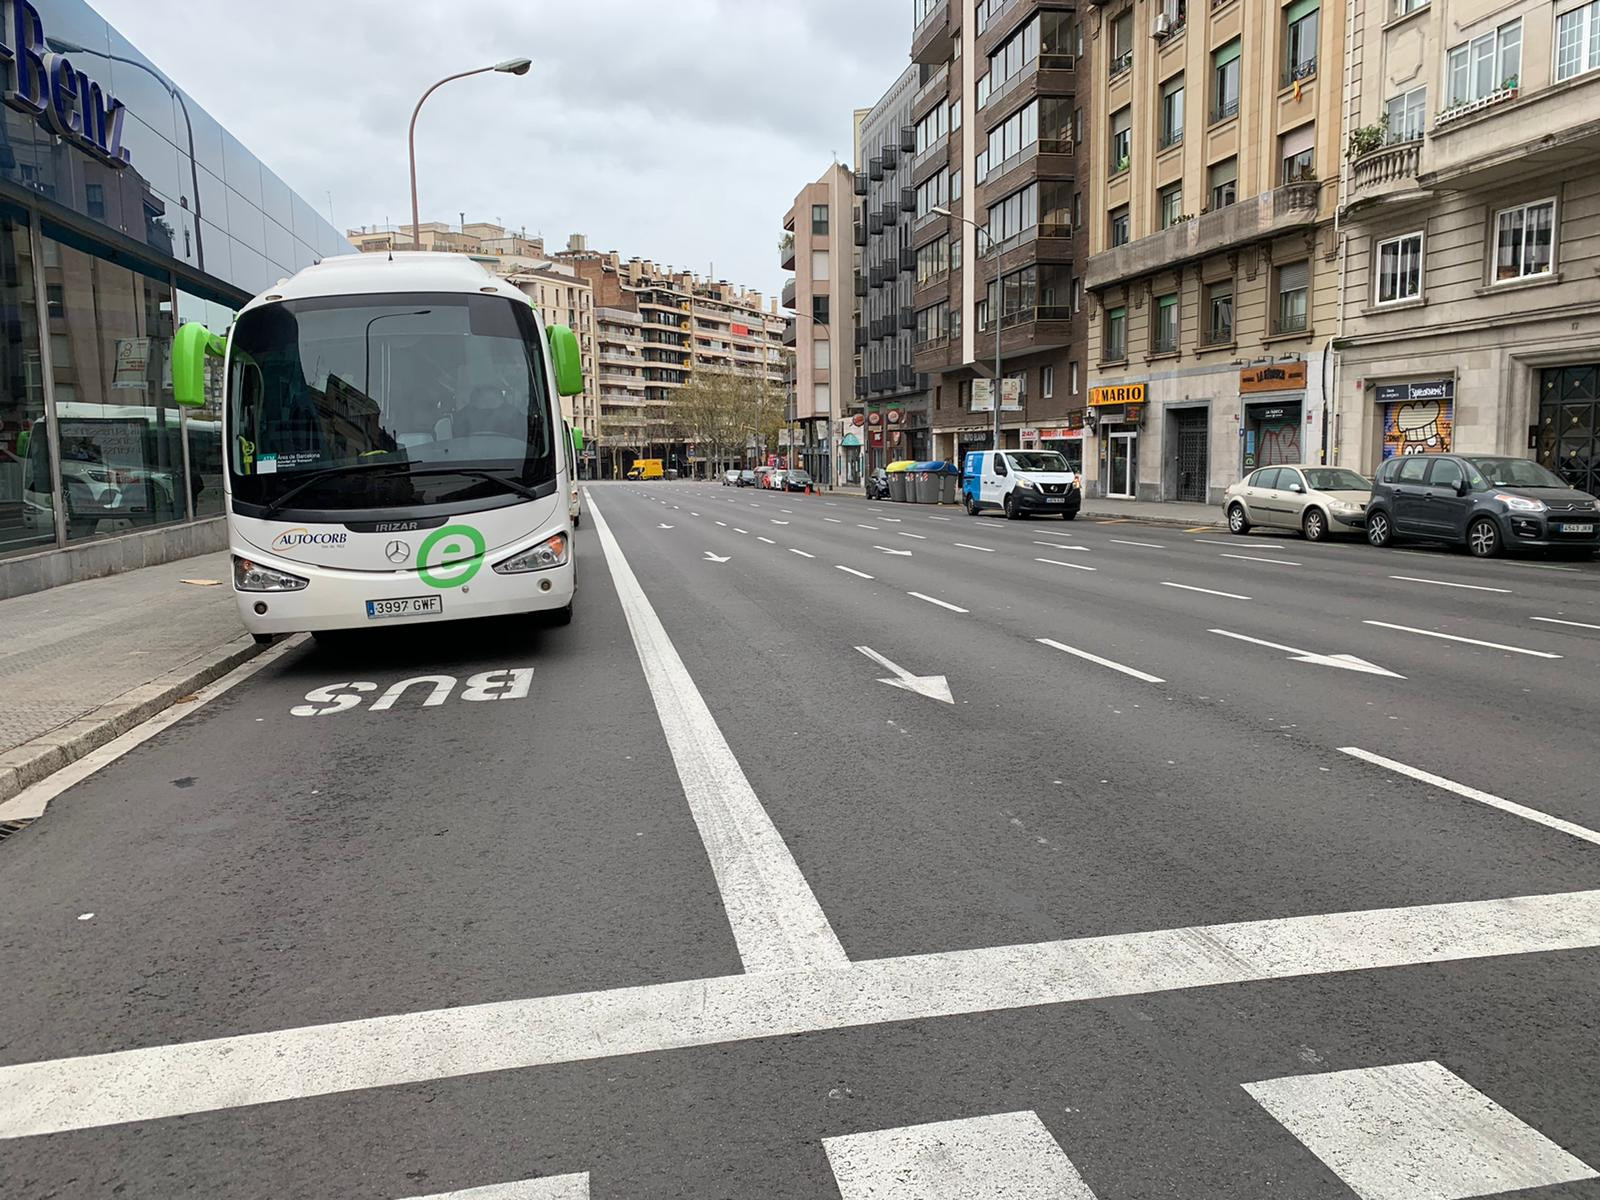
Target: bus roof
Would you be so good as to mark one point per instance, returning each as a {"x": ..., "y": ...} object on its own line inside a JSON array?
[{"x": 405, "y": 271}]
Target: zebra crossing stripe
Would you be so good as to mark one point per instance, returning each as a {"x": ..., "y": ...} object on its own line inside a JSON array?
[
  {"x": 1010, "y": 1156},
  {"x": 551, "y": 1187},
  {"x": 1414, "y": 1131}
]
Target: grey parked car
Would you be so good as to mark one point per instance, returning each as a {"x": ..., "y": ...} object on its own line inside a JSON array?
[
  {"x": 1485, "y": 503},
  {"x": 1315, "y": 500}
]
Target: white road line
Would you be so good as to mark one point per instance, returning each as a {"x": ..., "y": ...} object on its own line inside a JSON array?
[
  {"x": 891, "y": 520},
  {"x": 1450, "y": 637},
  {"x": 835, "y": 520},
  {"x": 940, "y": 603},
  {"x": 1254, "y": 543},
  {"x": 932, "y": 518},
  {"x": 1010, "y": 1156},
  {"x": 1055, "y": 545},
  {"x": 918, "y": 536},
  {"x": 1058, "y": 546},
  {"x": 851, "y": 571},
  {"x": 1280, "y": 562},
  {"x": 1471, "y": 793},
  {"x": 1471, "y": 587},
  {"x": 801, "y": 553},
  {"x": 1414, "y": 1131},
  {"x": 155, "y": 1082},
  {"x": 965, "y": 546},
  {"x": 549, "y": 1187},
  {"x": 724, "y": 524},
  {"x": 1189, "y": 587},
  {"x": 1574, "y": 624},
  {"x": 1146, "y": 545},
  {"x": 1056, "y": 562},
  {"x": 1104, "y": 662},
  {"x": 736, "y": 529},
  {"x": 872, "y": 527},
  {"x": 767, "y": 540},
  {"x": 1541, "y": 566},
  {"x": 776, "y": 920}
]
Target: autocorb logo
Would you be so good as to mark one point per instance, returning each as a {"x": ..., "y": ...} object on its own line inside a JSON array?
[
  {"x": 291, "y": 539},
  {"x": 451, "y": 556}
]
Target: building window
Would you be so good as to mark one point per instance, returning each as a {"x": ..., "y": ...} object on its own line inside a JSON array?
[
  {"x": 1407, "y": 114},
  {"x": 1164, "y": 328},
  {"x": 1047, "y": 382},
  {"x": 819, "y": 266},
  {"x": 819, "y": 218},
  {"x": 1523, "y": 240},
  {"x": 1578, "y": 41},
  {"x": 1300, "y": 40},
  {"x": 1219, "y": 312},
  {"x": 1119, "y": 226},
  {"x": 1291, "y": 283},
  {"x": 1485, "y": 65},
  {"x": 1077, "y": 210},
  {"x": 1399, "y": 269},
  {"x": 819, "y": 353},
  {"x": 819, "y": 309},
  {"x": 955, "y": 185},
  {"x": 1077, "y": 295},
  {"x": 1014, "y": 216},
  {"x": 1116, "y": 347},
  {"x": 1402, "y": 7},
  {"x": 1072, "y": 379},
  {"x": 1121, "y": 139},
  {"x": 1122, "y": 43},
  {"x": 955, "y": 114},
  {"x": 1223, "y": 179},
  {"x": 1298, "y": 149},
  {"x": 1170, "y": 201},
  {"x": 1225, "y": 81},
  {"x": 1172, "y": 111}
]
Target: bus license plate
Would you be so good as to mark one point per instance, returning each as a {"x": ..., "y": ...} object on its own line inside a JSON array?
[{"x": 406, "y": 606}]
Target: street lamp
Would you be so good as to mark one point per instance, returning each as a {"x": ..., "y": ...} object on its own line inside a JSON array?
[
  {"x": 511, "y": 66},
  {"x": 994, "y": 316}
]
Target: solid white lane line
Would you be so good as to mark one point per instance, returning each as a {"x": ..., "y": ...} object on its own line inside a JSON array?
[
  {"x": 776, "y": 920},
  {"x": 1277, "y": 562},
  {"x": 548, "y": 1187},
  {"x": 1450, "y": 637},
  {"x": 1189, "y": 587},
  {"x": 1056, "y": 562},
  {"x": 287, "y": 1064},
  {"x": 851, "y": 571},
  {"x": 1471, "y": 587},
  {"x": 801, "y": 553},
  {"x": 835, "y": 520},
  {"x": 1414, "y": 1131},
  {"x": 1574, "y": 624},
  {"x": 920, "y": 537},
  {"x": 1104, "y": 662},
  {"x": 965, "y": 546},
  {"x": 1009, "y": 1156},
  {"x": 767, "y": 540},
  {"x": 1146, "y": 545},
  {"x": 940, "y": 603},
  {"x": 1471, "y": 793},
  {"x": 871, "y": 527}
]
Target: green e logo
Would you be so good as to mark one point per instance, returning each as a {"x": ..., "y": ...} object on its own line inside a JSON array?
[{"x": 460, "y": 553}]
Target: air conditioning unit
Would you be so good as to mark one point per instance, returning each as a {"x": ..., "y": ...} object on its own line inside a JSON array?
[{"x": 1161, "y": 26}]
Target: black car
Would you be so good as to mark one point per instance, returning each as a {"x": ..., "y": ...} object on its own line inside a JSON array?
[
  {"x": 878, "y": 484},
  {"x": 747, "y": 478},
  {"x": 1486, "y": 503}
]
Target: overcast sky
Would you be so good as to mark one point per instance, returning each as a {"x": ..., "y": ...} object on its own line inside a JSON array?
[{"x": 678, "y": 131}]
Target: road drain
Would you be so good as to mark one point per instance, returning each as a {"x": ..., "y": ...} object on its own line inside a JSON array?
[{"x": 7, "y": 828}]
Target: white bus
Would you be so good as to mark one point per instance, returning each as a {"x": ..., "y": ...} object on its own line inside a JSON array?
[{"x": 393, "y": 440}]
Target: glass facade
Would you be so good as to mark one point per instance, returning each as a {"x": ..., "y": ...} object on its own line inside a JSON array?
[{"x": 100, "y": 259}]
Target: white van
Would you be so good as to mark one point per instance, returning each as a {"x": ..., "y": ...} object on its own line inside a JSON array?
[{"x": 1020, "y": 482}]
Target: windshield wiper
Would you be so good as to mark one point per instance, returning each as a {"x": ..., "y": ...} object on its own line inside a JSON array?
[
  {"x": 511, "y": 485},
  {"x": 276, "y": 505}
]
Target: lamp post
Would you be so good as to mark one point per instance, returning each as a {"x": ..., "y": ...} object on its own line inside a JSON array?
[
  {"x": 994, "y": 316},
  {"x": 511, "y": 66}
]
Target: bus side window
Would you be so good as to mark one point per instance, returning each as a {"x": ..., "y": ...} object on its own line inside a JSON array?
[{"x": 247, "y": 403}]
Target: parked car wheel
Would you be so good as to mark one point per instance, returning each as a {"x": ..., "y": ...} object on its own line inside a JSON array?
[
  {"x": 1237, "y": 521},
  {"x": 1314, "y": 525},
  {"x": 1483, "y": 538},
  {"x": 1379, "y": 532},
  {"x": 972, "y": 506}
]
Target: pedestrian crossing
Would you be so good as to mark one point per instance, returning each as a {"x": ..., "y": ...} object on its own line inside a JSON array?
[{"x": 1403, "y": 1131}]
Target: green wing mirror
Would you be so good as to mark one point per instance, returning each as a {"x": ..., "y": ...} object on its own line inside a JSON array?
[
  {"x": 190, "y": 346},
  {"x": 568, "y": 360}
]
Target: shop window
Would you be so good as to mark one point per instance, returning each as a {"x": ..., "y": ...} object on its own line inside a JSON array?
[
  {"x": 27, "y": 511},
  {"x": 1524, "y": 240},
  {"x": 1399, "y": 269}
]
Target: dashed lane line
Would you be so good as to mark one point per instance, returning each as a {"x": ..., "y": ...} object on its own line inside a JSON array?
[
  {"x": 940, "y": 603},
  {"x": 1574, "y": 624},
  {"x": 1146, "y": 545},
  {"x": 1189, "y": 587},
  {"x": 1056, "y": 562},
  {"x": 801, "y": 553},
  {"x": 1470, "y": 587},
  {"x": 767, "y": 540},
  {"x": 1451, "y": 637},
  {"x": 874, "y": 528},
  {"x": 918, "y": 536},
  {"x": 852, "y": 571},
  {"x": 967, "y": 546},
  {"x": 1277, "y": 562},
  {"x": 1104, "y": 662}
]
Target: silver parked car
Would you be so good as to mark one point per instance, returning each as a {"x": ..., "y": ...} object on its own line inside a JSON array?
[{"x": 1315, "y": 500}]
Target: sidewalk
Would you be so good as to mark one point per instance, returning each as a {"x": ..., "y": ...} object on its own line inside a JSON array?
[
  {"x": 1150, "y": 512},
  {"x": 82, "y": 663}
]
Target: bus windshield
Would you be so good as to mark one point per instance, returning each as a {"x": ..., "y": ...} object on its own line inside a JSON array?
[{"x": 368, "y": 401}]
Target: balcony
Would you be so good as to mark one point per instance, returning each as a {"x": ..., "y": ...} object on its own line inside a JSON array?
[
  {"x": 786, "y": 253},
  {"x": 1028, "y": 331},
  {"x": 1256, "y": 218},
  {"x": 930, "y": 41},
  {"x": 861, "y": 337},
  {"x": 788, "y": 293},
  {"x": 861, "y": 284},
  {"x": 1299, "y": 72},
  {"x": 906, "y": 376},
  {"x": 908, "y": 199},
  {"x": 875, "y": 167},
  {"x": 1488, "y": 142},
  {"x": 1120, "y": 63},
  {"x": 935, "y": 355},
  {"x": 934, "y": 155},
  {"x": 1050, "y": 74},
  {"x": 908, "y": 139},
  {"x": 862, "y": 183},
  {"x": 908, "y": 259},
  {"x": 908, "y": 317},
  {"x": 891, "y": 215},
  {"x": 1386, "y": 169},
  {"x": 790, "y": 332},
  {"x": 934, "y": 87},
  {"x": 875, "y": 222},
  {"x": 877, "y": 276},
  {"x": 860, "y": 234}
]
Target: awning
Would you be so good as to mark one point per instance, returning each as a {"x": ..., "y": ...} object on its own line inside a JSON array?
[{"x": 850, "y": 441}]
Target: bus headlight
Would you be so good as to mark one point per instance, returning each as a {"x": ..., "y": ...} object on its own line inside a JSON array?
[
  {"x": 253, "y": 577},
  {"x": 552, "y": 552}
]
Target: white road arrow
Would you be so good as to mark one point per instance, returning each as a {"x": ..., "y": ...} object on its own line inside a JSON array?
[
  {"x": 1348, "y": 662},
  {"x": 710, "y": 557},
  {"x": 934, "y": 687},
  {"x": 901, "y": 553}
]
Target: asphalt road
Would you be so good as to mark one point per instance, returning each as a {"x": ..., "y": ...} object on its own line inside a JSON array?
[{"x": 1173, "y": 864}]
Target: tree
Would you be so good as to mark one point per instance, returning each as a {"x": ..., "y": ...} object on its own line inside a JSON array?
[{"x": 720, "y": 410}]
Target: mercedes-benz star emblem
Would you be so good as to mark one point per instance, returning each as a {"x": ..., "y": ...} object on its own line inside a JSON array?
[{"x": 397, "y": 551}]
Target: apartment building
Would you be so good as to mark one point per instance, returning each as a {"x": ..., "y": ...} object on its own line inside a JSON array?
[
  {"x": 891, "y": 395},
  {"x": 1471, "y": 204},
  {"x": 816, "y": 245},
  {"x": 998, "y": 146},
  {"x": 1213, "y": 271}
]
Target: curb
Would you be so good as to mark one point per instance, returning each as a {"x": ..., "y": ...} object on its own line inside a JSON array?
[{"x": 25, "y": 765}]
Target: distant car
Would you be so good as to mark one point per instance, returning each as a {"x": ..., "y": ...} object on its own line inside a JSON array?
[
  {"x": 1487, "y": 503},
  {"x": 796, "y": 481},
  {"x": 877, "y": 484},
  {"x": 772, "y": 479},
  {"x": 1316, "y": 501},
  {"x": 747, "y": 478},
  {"x": 730, "y": 479}
]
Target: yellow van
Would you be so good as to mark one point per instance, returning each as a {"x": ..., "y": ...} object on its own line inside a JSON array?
[{"x": 646, "y": 468}]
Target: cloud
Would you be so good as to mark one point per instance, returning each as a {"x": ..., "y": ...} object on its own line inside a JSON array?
[{"x": 679, "y": 132}]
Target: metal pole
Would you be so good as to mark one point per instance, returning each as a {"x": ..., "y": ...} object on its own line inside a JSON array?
[
  {"x": 994, "y": 315},
  {"x": 411, "y": 145}
]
